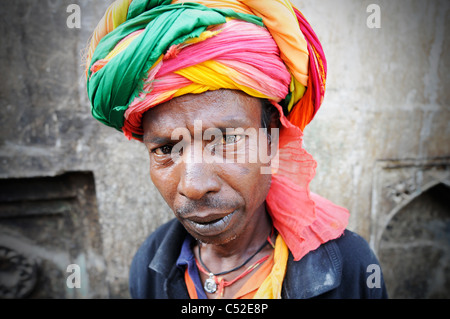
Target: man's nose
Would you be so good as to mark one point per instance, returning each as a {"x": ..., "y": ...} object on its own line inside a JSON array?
[{"x": 197, "y": 180}]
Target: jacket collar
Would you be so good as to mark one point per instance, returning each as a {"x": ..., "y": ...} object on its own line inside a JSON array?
[
  {"x": 317, "y": 272},
  {"x": 168, "y": 251}
]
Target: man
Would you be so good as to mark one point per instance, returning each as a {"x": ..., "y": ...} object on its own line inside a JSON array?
[{"x": 219, "y": 92}]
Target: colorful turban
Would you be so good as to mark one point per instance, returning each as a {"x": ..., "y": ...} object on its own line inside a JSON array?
[{"x": 146, "y": 52}]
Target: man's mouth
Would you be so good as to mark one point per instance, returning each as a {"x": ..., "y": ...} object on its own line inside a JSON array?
[
  {"x": 207, "y": 218},
  {"x": 210, "y": 224}
]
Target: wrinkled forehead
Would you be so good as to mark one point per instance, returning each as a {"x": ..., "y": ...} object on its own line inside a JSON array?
[{"x": 214, "y": 109}]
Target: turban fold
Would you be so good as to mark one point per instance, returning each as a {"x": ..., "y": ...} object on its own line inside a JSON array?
[{"x": 146, "y": 52}]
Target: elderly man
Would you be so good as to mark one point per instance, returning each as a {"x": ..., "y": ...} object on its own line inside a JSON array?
[{"x": 220, "y": 91}]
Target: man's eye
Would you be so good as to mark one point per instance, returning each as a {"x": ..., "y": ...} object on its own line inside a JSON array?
[
  {"x": 163, "y": 150},
  {"x": 231, "y": 139}
]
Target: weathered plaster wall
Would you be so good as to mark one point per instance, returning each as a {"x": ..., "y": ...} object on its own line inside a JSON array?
[
  {"x": 387, "y": 94},
  {"x": 387, "y": 98}
]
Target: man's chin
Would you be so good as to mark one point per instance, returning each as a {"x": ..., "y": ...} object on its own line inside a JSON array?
[{"x": 217, "y": 241}]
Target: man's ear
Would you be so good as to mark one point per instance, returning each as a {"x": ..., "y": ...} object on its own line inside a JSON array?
[
  {"x": 273, "y": 134},
  {"x": 270, "y": 120},
  {"x": 274, "y": 122}
]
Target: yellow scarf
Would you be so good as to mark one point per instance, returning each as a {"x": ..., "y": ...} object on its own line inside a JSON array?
[{"x": 271, "y": 287}]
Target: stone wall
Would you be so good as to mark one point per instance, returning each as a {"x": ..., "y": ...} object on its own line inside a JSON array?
[
  {"x": 382, "y": 137},
  {"x": 384, "y": 123}
]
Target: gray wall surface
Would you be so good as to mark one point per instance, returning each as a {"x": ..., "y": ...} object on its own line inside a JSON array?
[{"x": 381, "y": 138}]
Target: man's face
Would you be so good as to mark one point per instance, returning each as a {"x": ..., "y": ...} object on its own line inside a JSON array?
[{"x": 216, "y": 201}]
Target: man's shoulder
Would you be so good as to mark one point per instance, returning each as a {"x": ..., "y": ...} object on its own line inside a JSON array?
[
  {"x": 354, "y": 248},
  {"x": 361, "y": 271},
  {"x": 339, "y": 268},
  {"x": 154, "y": 256}
]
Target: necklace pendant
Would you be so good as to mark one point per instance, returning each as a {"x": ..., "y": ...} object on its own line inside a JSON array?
[{"x": 210, "y": 285}]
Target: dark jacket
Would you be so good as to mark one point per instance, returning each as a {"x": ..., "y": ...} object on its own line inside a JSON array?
[{"x": 337, "y": 269}]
